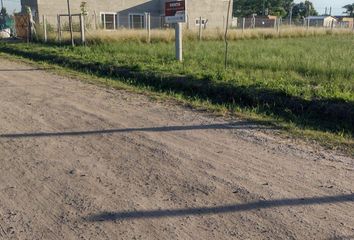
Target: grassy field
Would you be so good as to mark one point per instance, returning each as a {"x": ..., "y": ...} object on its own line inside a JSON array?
[
  {"x": 305, "y": 82},
  {"x": 168, "y": 35}
]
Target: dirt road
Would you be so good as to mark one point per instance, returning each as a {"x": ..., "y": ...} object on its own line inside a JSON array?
[{"x": 79, "y": 161}]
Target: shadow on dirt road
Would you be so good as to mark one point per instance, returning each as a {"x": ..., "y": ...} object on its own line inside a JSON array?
[{"x": 113, "y": 216}]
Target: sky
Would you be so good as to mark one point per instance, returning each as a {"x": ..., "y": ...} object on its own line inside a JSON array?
[
  {"x": 336, "y": 5},
  {"x": 320, "y": 5}
]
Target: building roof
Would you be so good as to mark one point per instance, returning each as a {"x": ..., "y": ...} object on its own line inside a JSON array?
[
  {"x": 345, "y": 18},
  {"x": 319, "y": 17}
]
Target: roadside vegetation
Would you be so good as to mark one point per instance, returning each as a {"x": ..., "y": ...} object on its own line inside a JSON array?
[
  {"x": 302, "y": 83},
  {"x": 168, "y": 35}
]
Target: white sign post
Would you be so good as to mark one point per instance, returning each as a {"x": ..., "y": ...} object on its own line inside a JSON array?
[{"x": 175, "y": 13}]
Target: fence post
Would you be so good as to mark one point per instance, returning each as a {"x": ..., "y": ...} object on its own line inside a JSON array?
[
  {"x": 104, "y": 21},
  {"x": 45, "y": 28},
  {"x": 28, "y": 28},
  {"x": 95, "y": 19},
  {"x": 308, "y": 23},
  {"x": 59, "y": 28},
  {"x": 179, "y": 42},
  {"x": 117, "y": 21},
  {"x": 200, "y": 28},
  {"x": 82, "y": 28},
  {"x": 148, "y": 26},
  {"x": 332, "y": 25},
  {"x": 70, "y": 24},
  {"x": 304, "y": 22},
  {"x": 243, "y": 24}
]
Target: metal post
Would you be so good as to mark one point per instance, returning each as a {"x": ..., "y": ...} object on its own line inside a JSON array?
[
  {"x": 70, "y": 24},
  {"x": 179, "y": 42},
  {"x": 82, "y": 28},
  {"x": 45, "y": 28}
]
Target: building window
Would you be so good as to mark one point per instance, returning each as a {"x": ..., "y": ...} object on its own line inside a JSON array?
[
  {"x": 136, "y": 20},
  {"x": 203, "y": 22},
  {"x": 109, "y": 21}
]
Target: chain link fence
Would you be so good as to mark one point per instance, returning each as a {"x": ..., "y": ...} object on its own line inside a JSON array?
[{"x": 146, "y": 26}]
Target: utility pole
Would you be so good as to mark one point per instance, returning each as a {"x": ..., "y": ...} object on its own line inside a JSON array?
[
  {"x": 70, "y": 24},
  {"x": 2, "y": 4}
]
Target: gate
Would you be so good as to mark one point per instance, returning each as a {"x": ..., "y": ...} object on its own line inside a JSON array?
[{"x": 23, "y": 26}]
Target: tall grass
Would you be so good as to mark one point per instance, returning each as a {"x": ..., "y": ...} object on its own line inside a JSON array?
[
  {"x": 168, "y": 35},
  {"x": 305, "y": 81}
]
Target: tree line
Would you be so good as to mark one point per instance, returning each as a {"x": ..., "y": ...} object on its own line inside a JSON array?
[{"x": 281, "y": 8}]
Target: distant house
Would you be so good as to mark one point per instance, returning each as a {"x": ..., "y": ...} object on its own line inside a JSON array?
[
  {"x": 114, "y": 14},
  {"x": 345, "y": 22},
  {"x": 265, "y": 21},
  {"x": 321, "y": 21},
  {"x": 255, "y": 21}
]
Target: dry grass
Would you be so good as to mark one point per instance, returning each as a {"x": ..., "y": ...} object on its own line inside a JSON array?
[{"x": 167, "y": 35}]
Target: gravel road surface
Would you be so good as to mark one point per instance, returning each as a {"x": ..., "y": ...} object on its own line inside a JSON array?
[{"x": 79, "y": 161}]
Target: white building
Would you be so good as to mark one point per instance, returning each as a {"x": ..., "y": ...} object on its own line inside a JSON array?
[{"x": 321, "y": 21}]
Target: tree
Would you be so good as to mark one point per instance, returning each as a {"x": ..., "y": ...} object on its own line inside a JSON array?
[
  {"x": 83, "y": 8},
  {"x": 281, "y": 8},
  {"x": 349, "y": 9},
  {"x": 304, "y": 9},
  {"x": 3, "y": 17},
  {"x": 244, "y": 8}
]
